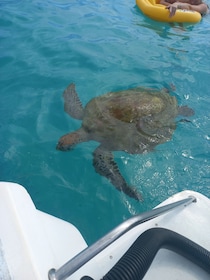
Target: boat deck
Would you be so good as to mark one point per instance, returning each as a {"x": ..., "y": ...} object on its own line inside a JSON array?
[{"x": 33, "y": 242}]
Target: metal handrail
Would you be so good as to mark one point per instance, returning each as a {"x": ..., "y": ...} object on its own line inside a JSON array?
[{"x": 84, "y": 256}]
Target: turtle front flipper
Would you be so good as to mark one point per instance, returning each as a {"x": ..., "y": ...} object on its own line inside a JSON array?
[
  {"x": 105, "y": 165},
  {"x": 72, "y": 103}
]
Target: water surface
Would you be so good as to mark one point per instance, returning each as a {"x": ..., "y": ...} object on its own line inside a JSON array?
[{"x": 101, "y": 46}]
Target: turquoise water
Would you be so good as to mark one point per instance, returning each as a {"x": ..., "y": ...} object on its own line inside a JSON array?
[{"x": 101, "y": 46}]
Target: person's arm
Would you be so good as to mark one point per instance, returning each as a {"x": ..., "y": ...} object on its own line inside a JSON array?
[{"x": 201, "y": 8}]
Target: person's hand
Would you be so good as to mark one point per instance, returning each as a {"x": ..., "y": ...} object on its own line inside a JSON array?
[{"x": 172, "y": 9}]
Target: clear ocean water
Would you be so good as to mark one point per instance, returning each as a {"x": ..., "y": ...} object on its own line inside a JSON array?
[{"x": 101, "y": 46}]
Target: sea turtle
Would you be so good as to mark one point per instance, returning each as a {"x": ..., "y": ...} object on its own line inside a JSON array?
[{"x": 133, "y": 120}]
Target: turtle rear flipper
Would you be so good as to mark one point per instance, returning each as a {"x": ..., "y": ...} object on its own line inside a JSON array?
[
  {"x": 105, "y": 165},
  {"x": 185, "y": 111},
  {"x": 72, "y": 103}
]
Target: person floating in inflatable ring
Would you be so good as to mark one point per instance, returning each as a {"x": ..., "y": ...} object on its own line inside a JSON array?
[{"x": 193, "y": 5}]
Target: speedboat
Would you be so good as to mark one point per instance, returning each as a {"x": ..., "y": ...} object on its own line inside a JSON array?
[{"x": 171, "y": 241}]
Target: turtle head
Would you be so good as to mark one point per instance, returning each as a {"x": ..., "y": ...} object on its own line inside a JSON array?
[{"x": 68, "y": 141}]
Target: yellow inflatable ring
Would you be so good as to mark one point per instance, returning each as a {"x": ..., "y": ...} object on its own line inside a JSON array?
[{"x": 156, "y": 11}]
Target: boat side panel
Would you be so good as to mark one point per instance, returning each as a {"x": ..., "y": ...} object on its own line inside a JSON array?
[
  {"x": 32, "y": 241},
  {"x": 188, "y": 221}
]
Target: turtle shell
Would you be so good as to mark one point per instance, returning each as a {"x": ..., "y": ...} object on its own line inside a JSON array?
[{"x": 133, "y": 120}]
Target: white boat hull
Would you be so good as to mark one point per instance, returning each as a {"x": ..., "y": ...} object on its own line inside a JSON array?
[{"x": 33, "y": 242}]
